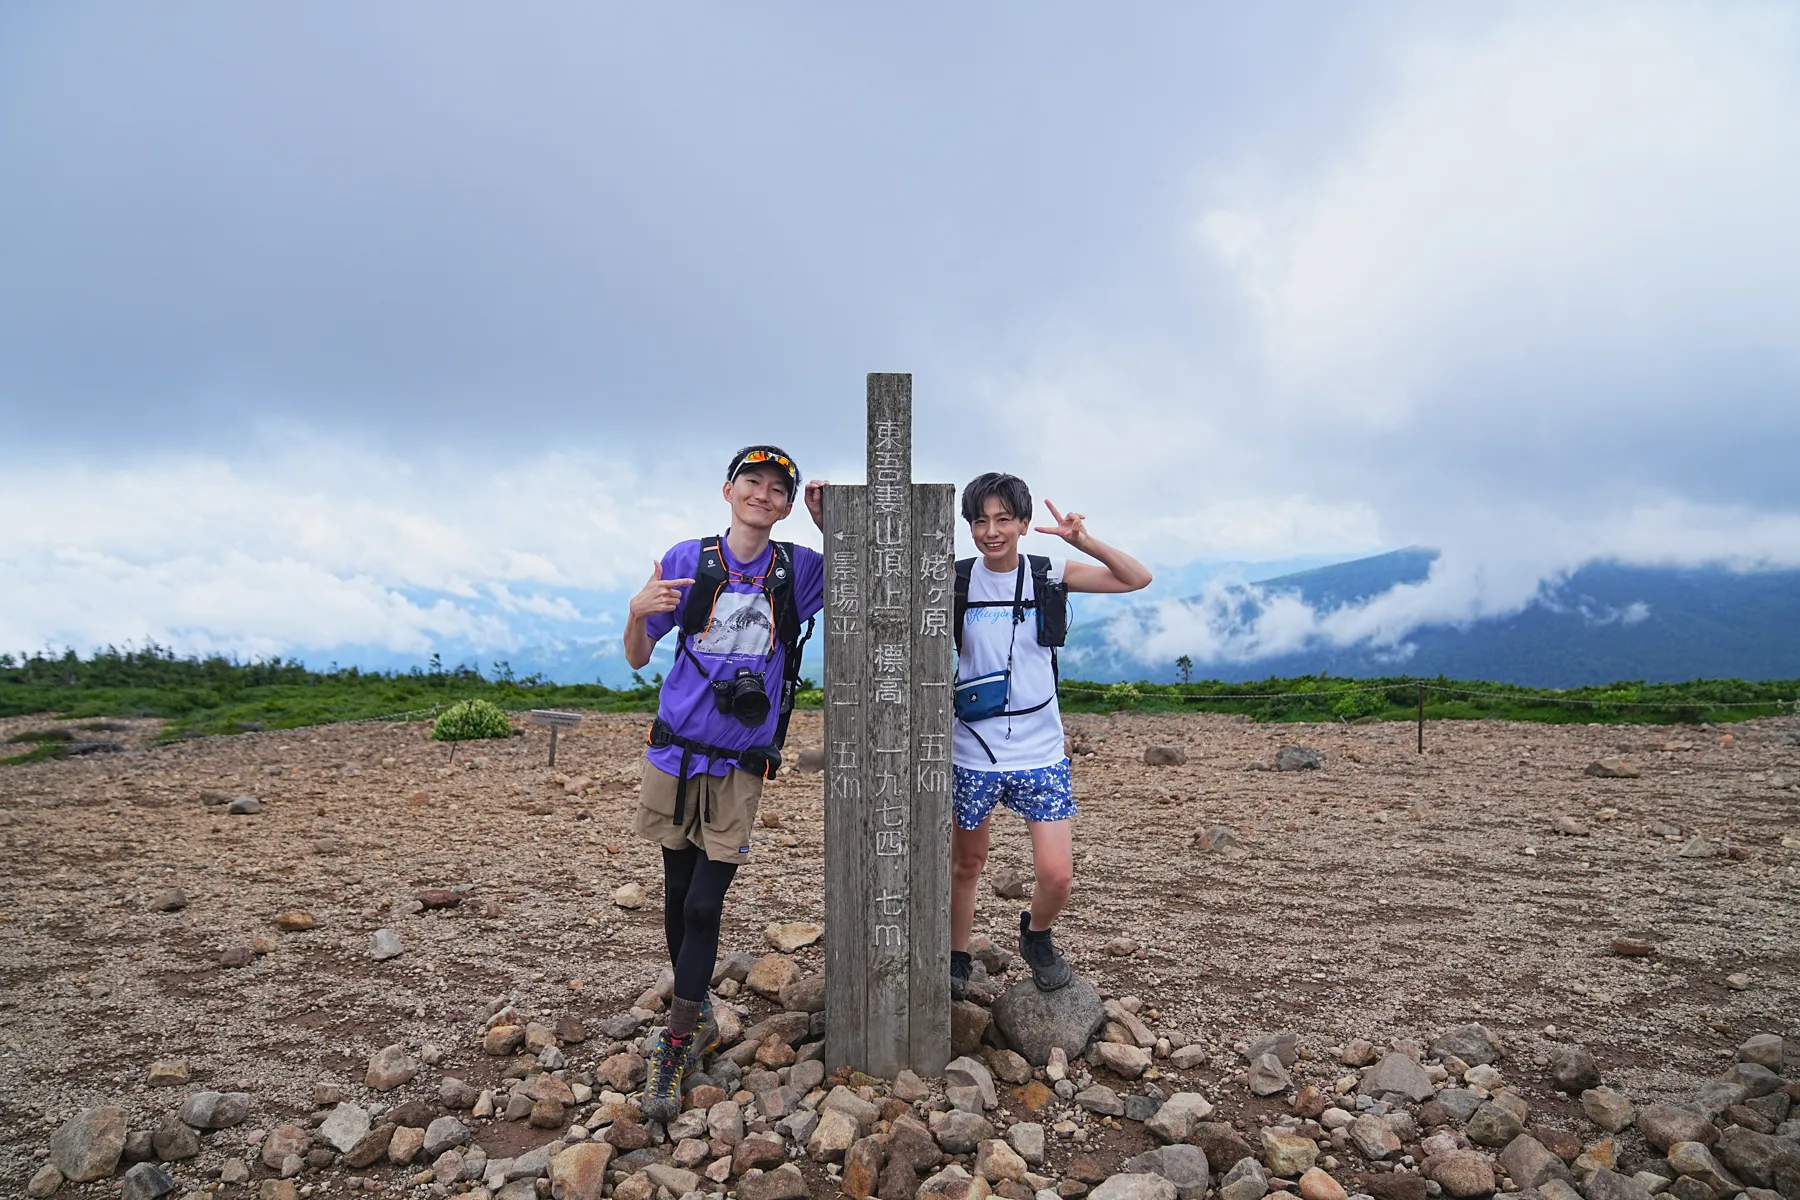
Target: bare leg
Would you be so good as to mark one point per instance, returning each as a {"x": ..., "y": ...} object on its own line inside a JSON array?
[
  {"x": 1053, "y": 862},
  {"x": 968, "y": 855}
]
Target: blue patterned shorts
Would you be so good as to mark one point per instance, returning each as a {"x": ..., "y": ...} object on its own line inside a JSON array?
[{"x": 1042, "y": 794}]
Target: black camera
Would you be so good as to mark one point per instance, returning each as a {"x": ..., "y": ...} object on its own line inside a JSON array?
[{"x": 745, "y": 696}]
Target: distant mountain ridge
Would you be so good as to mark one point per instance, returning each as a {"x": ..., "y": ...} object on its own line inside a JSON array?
[{"x": 1605, "y": 622}]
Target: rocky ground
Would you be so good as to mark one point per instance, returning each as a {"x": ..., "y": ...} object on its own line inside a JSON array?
[{"x": 352, "y": 987}]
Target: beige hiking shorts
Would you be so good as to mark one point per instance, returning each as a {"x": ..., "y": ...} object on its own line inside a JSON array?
[{"x": 717, "y": 815}]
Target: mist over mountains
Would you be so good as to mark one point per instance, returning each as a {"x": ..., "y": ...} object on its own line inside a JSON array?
[
  {"x": 1606, "y": 621},
  {"x": 1243, "y": 621}
]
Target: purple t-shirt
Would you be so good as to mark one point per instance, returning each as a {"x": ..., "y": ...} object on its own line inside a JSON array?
[{"x": 741, "y": 634}]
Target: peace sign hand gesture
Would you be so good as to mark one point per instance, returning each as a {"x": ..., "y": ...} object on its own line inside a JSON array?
[{"x": 1071, "y": 529}]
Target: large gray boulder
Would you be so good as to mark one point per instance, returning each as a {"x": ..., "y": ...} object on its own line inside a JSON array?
[
  {"x": 1754, "y": 1078},
  {"x": 1135, "y": 1186},
  {"x": 1034, "y": 1022},
  {"x": 1530, "y": 1163},
  {"x": 215, "y": 1110},
  {"x": 1573, "y": 1070},
  {"x": 146, "y": 1181},
  {"x": 1397, "y": 1074},
  {"x": 1296, "y": 758},
  {"x": 1761, "y": 1160},
  {"x": 1182, "y": 1165},
  {"x": 1474, "y": 1043},
  {"x": 1610, "y": 1185},
  {"x": 88, "y": 1145},
  {"x": 345, "y": 1126},
  {"x": 1665, "y": 1124}
]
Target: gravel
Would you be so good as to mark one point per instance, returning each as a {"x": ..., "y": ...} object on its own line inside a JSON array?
[{"x": 1382, "y": 897}]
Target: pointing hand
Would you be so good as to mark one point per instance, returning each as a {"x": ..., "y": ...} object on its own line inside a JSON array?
[{"x": 659, "y": 595}]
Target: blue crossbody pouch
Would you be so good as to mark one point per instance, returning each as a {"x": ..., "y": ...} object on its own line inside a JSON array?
[{"x": 984, "y": 697}]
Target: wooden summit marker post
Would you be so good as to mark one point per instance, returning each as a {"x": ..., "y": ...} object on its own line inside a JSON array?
[{"x": 889, "y": 574}]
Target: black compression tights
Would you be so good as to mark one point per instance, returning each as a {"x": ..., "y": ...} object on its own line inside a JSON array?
[{"x": 693, "y": 901}]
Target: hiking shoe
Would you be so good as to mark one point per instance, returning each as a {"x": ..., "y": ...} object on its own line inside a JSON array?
[
  {"x": 1049, "y": 969},
  {"x": 960, "y": 967},
  {"x": 706, "y": 1034},
  {"x": 668, "y": 1063}
]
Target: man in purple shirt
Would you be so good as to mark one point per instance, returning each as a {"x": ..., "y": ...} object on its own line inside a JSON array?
[{"x": 735, "y": 603}]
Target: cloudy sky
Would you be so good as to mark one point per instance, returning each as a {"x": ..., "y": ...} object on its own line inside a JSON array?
[{"x": 358, "y": 332}]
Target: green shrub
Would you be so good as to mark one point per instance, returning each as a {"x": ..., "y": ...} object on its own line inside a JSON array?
[
  {"x": 1359, "y": 704},
  {"x": 1121, "y": 696},
  {"x": 467, "y": 720}
]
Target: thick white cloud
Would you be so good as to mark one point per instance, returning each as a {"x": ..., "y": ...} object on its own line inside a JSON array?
[
  {"x": 309, "y": 545},
  {"x": 1599, "y": 190},
  {"x": 1494, "y": 575},
  {"x": 1522, "y": 285},
  {"x": 1540, "y": 307}
]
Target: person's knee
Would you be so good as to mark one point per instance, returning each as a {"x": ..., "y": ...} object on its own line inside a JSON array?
[
  {"x": 1057, "y": 877},
  {"x": 701, "y": 917},
  {"x": 966, "y": 862}
]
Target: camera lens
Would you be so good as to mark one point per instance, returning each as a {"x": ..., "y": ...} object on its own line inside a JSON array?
[
  {"x": 749, "y": 702},
  {"x": 743, "y": 696}
]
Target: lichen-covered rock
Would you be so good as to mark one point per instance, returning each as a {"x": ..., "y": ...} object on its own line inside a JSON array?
[{"x": 1288, "y": 1154}]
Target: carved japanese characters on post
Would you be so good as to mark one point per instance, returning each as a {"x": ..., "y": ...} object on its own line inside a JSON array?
[{"x": 888, "y": 661}]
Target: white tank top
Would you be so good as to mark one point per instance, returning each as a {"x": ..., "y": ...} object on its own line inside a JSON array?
[{"x": 1019, "y": 743}]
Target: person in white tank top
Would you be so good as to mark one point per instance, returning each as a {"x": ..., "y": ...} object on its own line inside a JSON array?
[{"x": 1007, "y": 741}]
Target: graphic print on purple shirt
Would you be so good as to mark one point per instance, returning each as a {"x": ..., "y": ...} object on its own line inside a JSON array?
[{"x": 741, "y": 635}]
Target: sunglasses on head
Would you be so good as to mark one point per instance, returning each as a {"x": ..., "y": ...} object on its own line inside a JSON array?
[{"x": 763, "y": 456}]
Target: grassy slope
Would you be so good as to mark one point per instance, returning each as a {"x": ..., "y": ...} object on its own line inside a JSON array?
[{"x": 217, "y": 696}]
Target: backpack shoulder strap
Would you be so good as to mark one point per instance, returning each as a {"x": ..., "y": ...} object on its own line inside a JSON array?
[
  {"x": 788, "y": 632},
  {"x": 960, "y": 605},
  {"x": 781, "y": 595},
  {"x": 1040, "y": 574},
  {"x": 709, "y": 577}
]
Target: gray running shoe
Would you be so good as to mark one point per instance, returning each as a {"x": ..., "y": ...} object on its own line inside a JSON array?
[
  {"x": 1049, "y": 969},
  {"x": 960, "y": 967}
]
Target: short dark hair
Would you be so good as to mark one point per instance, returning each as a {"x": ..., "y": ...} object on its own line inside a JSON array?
[{"x": 1010, "y": 490}]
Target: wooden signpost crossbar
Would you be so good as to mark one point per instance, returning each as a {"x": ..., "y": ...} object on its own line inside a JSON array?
[{"x": 889, "y": 573}]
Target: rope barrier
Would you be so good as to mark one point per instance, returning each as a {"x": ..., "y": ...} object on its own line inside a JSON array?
[
  {"x": 1321, "y": 695},
  {"x": 1659, "y": 704},
  {"x": 399, "y": 716},
  {"x": 1335, "y": 693}
]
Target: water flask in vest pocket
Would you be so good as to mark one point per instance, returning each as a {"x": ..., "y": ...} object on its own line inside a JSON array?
[
  {"x": 1053, "y": 614},
  {"x": 983, "y": 697}
]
